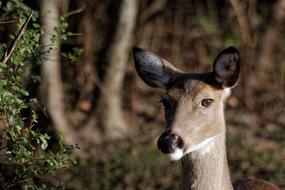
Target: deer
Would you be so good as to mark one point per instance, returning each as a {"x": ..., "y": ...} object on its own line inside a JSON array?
[{"x": 195, "y": 131}]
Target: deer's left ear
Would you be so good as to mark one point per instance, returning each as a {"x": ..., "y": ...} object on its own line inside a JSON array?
[
  {"x": 153, "y": 70},
  {"x": 227, "y": 67}
]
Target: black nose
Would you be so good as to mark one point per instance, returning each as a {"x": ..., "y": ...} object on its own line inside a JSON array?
[{"x": 168, "y": 142}]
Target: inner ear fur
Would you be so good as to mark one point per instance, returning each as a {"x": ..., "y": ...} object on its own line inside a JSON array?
[{"x": 226, "y": 67}]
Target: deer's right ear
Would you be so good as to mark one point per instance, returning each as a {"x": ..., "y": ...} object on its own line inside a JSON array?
[
  {"x": 153, "y": 70},
  {"x": 227, "y": 67}
]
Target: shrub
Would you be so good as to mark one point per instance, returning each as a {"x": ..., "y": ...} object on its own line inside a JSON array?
[{"x": 25, "y": 156}]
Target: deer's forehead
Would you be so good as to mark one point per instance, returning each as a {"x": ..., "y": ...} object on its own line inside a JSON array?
[{"x": 189, "y": 88}]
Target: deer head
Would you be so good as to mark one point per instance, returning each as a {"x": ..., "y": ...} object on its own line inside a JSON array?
[{"x": 193, "y": 102}]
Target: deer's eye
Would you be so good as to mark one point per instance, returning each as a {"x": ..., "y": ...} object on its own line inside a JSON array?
[{"x": 207, "y": 102}]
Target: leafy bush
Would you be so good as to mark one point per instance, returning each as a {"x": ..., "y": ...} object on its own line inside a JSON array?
[{"x": 25, "y": 156}]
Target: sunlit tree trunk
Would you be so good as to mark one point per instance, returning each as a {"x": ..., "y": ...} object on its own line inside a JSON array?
[
  {"x": 52, "y": 83},
  {"x": 111, "y": 117}
]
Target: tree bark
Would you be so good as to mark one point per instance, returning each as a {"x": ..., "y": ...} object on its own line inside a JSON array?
[
  {"x": 52, "y": 83},
  {"x": 110, "y": 111}
]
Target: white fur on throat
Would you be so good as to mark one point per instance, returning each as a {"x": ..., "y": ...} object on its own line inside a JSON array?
[
  {"x": 201, "y": 148},
  {"x": 227, "y": 93}
]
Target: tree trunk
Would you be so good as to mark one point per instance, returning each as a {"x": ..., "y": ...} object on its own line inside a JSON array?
[
  {"x": 110, "y": 110},
  {"x": 264, "y": 62},
  {"x": 52, "y": 84},
  {"x": 249, "y": 46},
  {"x": 87, "y": 77}
]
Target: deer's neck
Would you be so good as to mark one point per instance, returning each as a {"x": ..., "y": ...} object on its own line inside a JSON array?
[{"x": 208, "y": 170}]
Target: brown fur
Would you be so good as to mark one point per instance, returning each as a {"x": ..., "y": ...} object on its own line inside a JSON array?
[{"x": 184, "y": 116}]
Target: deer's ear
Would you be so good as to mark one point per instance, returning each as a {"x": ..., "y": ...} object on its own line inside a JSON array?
[
  {"x": 227, "y": 67},
  {"x": 153, "y": 70}
]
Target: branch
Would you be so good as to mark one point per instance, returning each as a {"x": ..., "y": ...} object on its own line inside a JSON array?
[
  {"x": 10, "y": 50},
  {"x": 76, "y": 11},
  {"x": 242, "y": 21},
  {"x": 154, "y": 8},
  {"x": 7, "y": 22}
]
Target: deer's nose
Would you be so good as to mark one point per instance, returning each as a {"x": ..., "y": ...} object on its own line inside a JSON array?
[{"x": 168, "y": 142}]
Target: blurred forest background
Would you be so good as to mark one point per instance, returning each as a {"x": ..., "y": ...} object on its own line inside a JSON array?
[{"x": 88, "y": 92}]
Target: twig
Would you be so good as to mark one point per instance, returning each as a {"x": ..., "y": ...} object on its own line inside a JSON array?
[
  {"x": 10, "y": 50},
  {"x": 76, "y": 11},
  {"x": 7, "y": 22},
  {"x": 75, "y": 34}
]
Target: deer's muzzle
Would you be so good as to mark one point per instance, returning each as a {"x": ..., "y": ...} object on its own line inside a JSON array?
[{"x": 168, "y": 142}]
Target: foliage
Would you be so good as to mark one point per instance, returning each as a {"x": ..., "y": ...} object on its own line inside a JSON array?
[
  {"x": 74, "y": 54},
  {"x": 25, "y": 155}
]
